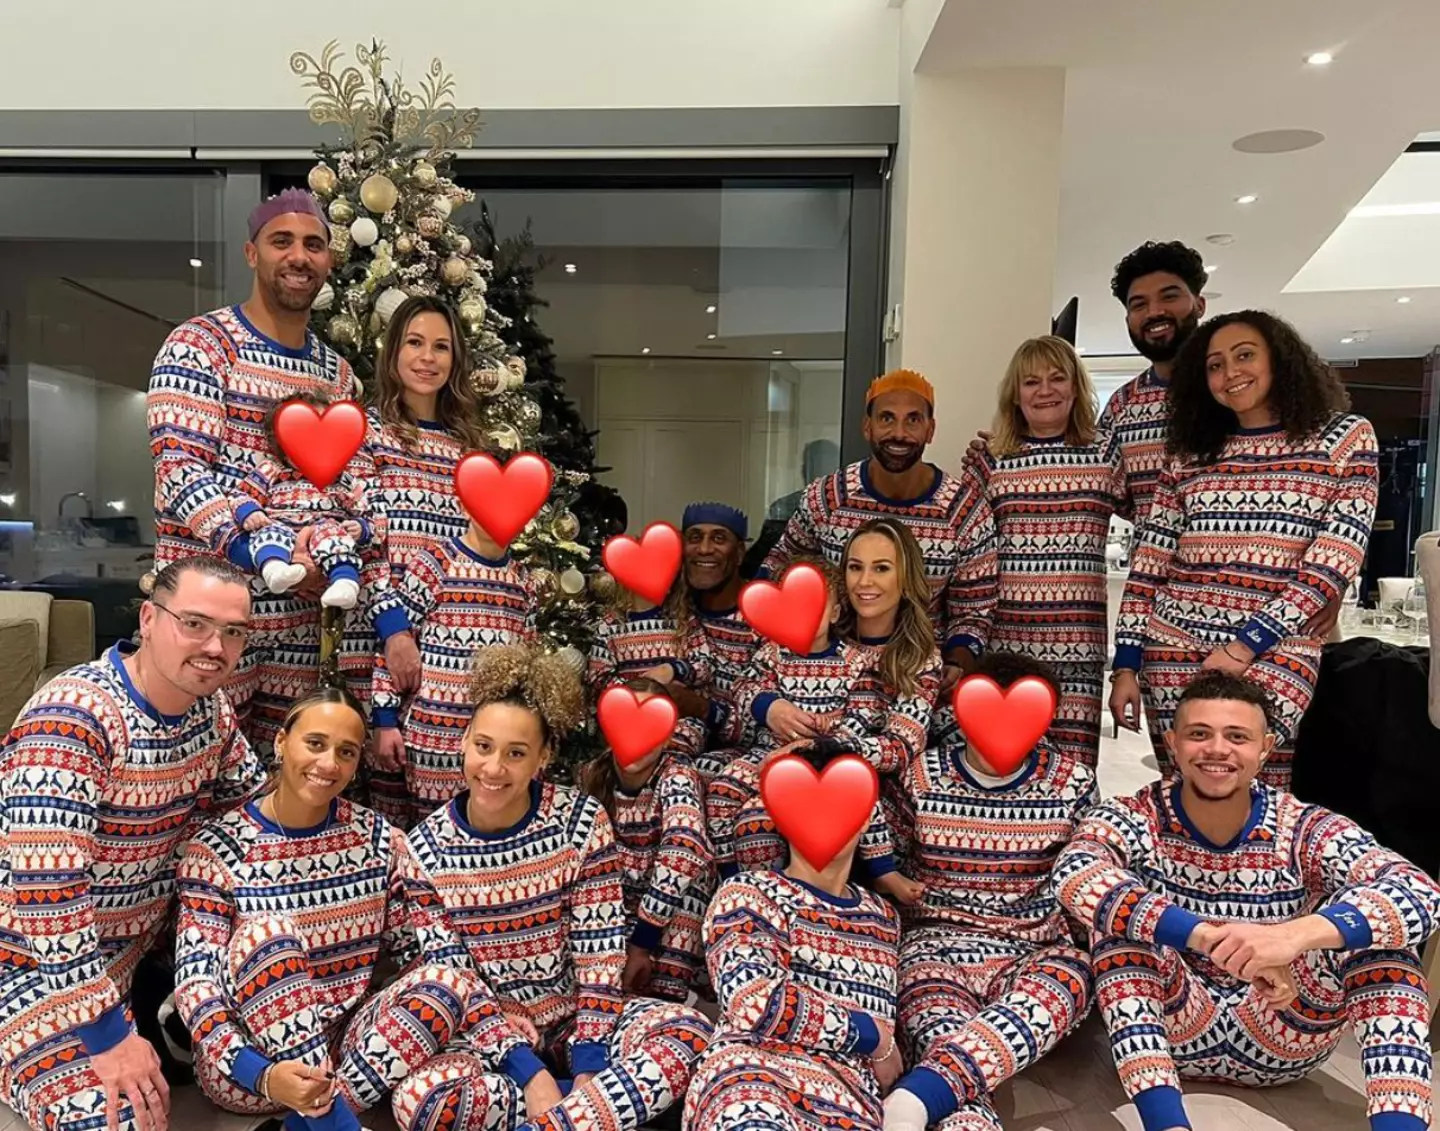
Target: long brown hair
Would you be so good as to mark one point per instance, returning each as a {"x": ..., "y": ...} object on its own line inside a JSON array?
[
  {"x": 599, "y": 777},
  {"x": 1036, "y": 356},
  {"x": 457, "y": 408},
  {"x": 912, "y": 645}
]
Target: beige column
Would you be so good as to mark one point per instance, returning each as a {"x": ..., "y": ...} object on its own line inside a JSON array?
[{"x": 974, "y": 229}]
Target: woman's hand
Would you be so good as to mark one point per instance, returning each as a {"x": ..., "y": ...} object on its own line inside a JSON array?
[
  {"x": 1232, "y": 659},
  {"x": 541, "y": 1094},
  {"x": 886, "y": 1061},
  {"x": 1125, "y": 699},
  {"x": 661, "y": 673},
  {"x": 388, "y": 750},
  {"x": 520, "y": 1022},
  {"x": 305, "y": 1088},
  {"x": 789, "y": 723}
]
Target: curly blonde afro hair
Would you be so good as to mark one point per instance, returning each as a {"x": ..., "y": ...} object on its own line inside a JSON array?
[{"x": 528, "y": 675}]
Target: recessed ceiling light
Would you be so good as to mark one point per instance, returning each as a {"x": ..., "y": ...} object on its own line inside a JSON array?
[
  {"x": 1403, "y": 299},
  {"x": 646, "y": 349},
  {"x": 1221, "y": 239},
  {"x": 777, "y": 353},
  {"x": 570, "y": 268},
  {"x": 1320, "y": 58},
  {"x": 1277, "y": 141},
  {"x": 709, "y": 337},
  {"x": 1346, "y": 341},
  {"x": 1248, "y": 198},
  {"x": 197, "y": 263},
  {"x": 1211, "y": 268},
  {"x": 710, "y": 309}
]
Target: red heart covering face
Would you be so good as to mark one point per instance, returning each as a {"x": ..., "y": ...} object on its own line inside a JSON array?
[
  {"x": 647, "y": 566},
  {"x": 789, "y": 613},
  {"x": 1003, "y": 724},
  {"x": 503, "y": 500},
  {"x": 819, "y": 813},
  {"x": 319, "y": 445},
  {"x": 632, "y": 728}
]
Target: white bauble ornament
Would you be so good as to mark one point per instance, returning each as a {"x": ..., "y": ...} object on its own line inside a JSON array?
[
  {"x": 572, "y": 582},
  {"x": 325, "y": 298},
  {"x": 424, "y": 174},
  {"x": 364, "y": 231},
  {"x": 388, "y": 303},
  {"x": 440, "y": 205},
  {"x": 454, "y": 271},
  {"x": 462, "y": 246}
]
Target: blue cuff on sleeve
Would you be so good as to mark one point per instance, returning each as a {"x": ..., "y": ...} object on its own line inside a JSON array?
[
  {"x": 367, "y": 532},
  {"x": 269, "y": 553},
  {"x": 867, "y": 1033},
  {"x": 385, "y": 717},
  {"x": 245, "y": 510},
  {"x": 929, "y": 1087},
  {"x": 964, "y": 640},
  {"x": 645, "y": 935},
  {"x": 1161, "y": 1107},
  {"x": 1397, "y": 1121},
  {"x": 1175, "y": 927},
  {"x": 391, "y": 621},
  {"x": 107, "y": 1030},
  {"x": 684, "y": 670},
  {"x": 338, "y": 1118},
  {"x": 521, "y": 1064},
  {"x": 1353, "y": 926},
  {"x": 729, "y": 871},
  {"x": 1257, "y": 637},
  {"x": 1128, "y": 657},
  {"x": 345, "y": 572},
  {"x": 589, "y": 1056},
  {"x": 762, "y": 705},
  {"x": 239, "y": 552},
  {"x": 880, "y": 866},
  {"x": 249, "y": 1065},
  {"x": 713, "y": 713}
]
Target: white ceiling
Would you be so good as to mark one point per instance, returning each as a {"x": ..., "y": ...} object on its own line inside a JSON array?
[{"x": 1155, "y": 97}]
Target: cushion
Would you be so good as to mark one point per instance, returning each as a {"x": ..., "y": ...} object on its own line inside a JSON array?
[{"x": 19, "y": 605}]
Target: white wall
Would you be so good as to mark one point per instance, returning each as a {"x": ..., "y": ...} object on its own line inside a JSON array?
[{"x": 529, "y": 54}]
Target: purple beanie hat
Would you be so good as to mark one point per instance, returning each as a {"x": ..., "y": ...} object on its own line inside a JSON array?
[{"x": 291, "y": 200}]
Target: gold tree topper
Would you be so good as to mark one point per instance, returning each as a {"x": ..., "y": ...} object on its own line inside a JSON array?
[{"x": 370, "y": 108}]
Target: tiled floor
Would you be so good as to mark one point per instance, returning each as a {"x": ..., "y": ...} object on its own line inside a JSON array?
[{"x": 1073, "y": 1089}]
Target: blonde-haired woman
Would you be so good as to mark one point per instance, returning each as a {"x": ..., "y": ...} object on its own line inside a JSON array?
[{"x": 1052, "y": 490}]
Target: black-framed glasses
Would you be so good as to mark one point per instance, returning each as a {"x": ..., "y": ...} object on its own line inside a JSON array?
[{"x": 199, "y": 629}]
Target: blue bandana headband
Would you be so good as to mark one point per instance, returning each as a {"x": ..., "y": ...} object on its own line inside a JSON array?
[{"x": 717, "y": 514}]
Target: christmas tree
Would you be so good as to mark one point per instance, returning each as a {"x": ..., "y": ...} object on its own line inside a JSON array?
[{"x": 387, "y": 189}]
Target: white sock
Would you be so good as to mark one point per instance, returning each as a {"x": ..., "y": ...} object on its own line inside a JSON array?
[
  {"x": 904, "y": 1111},
  {"x": 281, "y": 577},
  {"x": 342, "y": 594}
]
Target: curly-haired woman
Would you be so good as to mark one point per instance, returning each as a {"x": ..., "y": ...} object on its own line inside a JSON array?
[{"x": 1260, "y": 519}]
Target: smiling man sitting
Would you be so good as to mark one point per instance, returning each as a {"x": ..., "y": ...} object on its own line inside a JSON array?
[
  {"x": 1238, "y": 931},
  {"x": 103, "y": 778}
]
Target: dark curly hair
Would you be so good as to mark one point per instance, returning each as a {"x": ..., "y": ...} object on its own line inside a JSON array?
[
  {"x": 1304, "y": 390},
  {"x": 1209, "y": 685},
  {"x": 1174, "y": 258}
]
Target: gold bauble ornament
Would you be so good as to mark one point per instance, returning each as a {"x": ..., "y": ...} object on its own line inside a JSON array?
[
  {"x": 341, "y": 211},
  {"x": 528, "y": 415},
  {"x": 603, "y": 586},
  {"x": 463, "y": 246},
  {"x": 379, "y": 194},
  {"x": 340, "y": 245},
  {"x": 574, "y": 659},
  {"x": 486, "y": 381},
  {"x": 343, "y": 330},
  {"x": 545, "y": 582},
  {"x": 322, "y": 180},
  {"x": 404, "y": 244},
  {"x": 424, "y": 174},
  {"x": 504, "y": 437},
  {"x": 572, "y": 582},
  {"x": 566, "y": 526},
  {"x": 430, "y": 226},
  {"x": 516, "y": 365},
  {"x": 441, "y": 206},
  {"x": 472, "y": 310},
  {"x": 454, "y": 271}
]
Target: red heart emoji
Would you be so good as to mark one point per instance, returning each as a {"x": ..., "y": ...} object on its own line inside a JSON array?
[
  {"x": 788, "y": 613},
  {"x": 503, "y": 500},
  {"x": 319, "y": 445},
  {"x": 818, "y": 813},
  {"x": 647, "y": 567},
  {"x": 1004, "y": 725},
  {"x": 632, "y": 728}
]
